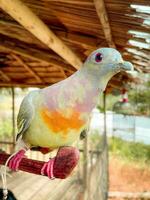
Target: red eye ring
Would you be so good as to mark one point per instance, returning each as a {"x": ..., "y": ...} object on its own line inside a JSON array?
[{"x": 98, "y": 57}]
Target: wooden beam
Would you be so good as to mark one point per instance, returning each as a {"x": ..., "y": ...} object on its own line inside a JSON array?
[
  {"x": 103, "y": 17},
  {"x": 15, "y": 75},
  {"x": 73, "y": 38},
  {"x": 22, "y": 85},
  {"x": 4, "y": 76},
  {"x": 62, "y": 72},
  {"x": 140, "y": 58},
  {"x": 138, "y": 52},
  {"x": 32, "y": 53},
  {"x": 32, "y": 83},
  {"x": 15, "y": 30},
  {"x": 132, "y": 56},
  {"x": 115, "y": 84},
  {"x": 138, "y": 68},
  {"x": 139, "y": 44},
  {"x": 141, "y": 69},
  {"x": 21, "y": 13},
  {"x": 27, "y": 67},
  {"x": 49, "y": 80},
  {"x": 129, "y": 195},
  {"x": 85, "y": 41},
  {"x": 13, "y": 42},
  {"x": 141, "y": 63}
]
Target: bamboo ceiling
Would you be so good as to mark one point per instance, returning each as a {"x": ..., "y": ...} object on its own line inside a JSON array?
[{"x": 81, "y": 25}]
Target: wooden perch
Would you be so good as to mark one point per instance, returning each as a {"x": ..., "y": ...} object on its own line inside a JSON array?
[
  {"x": 65, "y": 161},
  {"x": 21, "y": 13}
]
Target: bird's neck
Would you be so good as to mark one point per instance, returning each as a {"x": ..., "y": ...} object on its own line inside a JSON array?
[
  {"x": 79, "y": 92},
  {"x": 86, "y": 89},
  {"x": 96, "y": 78}
]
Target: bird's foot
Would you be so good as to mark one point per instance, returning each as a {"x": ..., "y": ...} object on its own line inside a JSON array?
[
  {"x": 62, "y": 164},
  {"x": 48, "y": 169},
  {"x": 15, "y": 160}
]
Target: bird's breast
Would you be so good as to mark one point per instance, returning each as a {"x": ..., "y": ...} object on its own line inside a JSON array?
[
  {"x": 55, "y": 128},
  {"x": 62, "y": 121}
]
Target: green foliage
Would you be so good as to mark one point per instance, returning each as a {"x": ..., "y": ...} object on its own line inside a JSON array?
[
  {"x": 148, "y": 84},
  {"x": 130, "y": 151},
  {"x": 110, "y": 101},
  {"x": 5, "y": 91},
  {"x": 5, "y": 128},
  {"x": 141, "y": 98},
  {"x": 123, "y": 108}
]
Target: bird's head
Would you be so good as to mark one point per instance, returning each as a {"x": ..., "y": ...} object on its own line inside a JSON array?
[
  {"x": 108, "y": 58},
  {"x": 105, "y": 63}
]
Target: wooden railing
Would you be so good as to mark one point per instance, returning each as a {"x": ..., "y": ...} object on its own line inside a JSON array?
[{"x": 129, "y": 195}]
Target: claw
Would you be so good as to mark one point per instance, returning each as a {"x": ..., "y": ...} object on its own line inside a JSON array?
[
  {"x": 47, "y": 169},
  {"x": 15, "y": 160}
]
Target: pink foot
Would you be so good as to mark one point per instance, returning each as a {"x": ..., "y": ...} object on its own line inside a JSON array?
[
  {"x": 15, "y": 160},
  {"x": 48, "y": 169}
]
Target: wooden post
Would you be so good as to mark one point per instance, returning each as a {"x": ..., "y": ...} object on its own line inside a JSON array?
[
  {"x": 13, "y": 118},
  {"x": 105, "y": 150},
  {"x": 21, "y": 13},
  {"x": 85, "y": 164},
  {"x": 134, "y": 129},
  {"x": 105, "y": 125}
]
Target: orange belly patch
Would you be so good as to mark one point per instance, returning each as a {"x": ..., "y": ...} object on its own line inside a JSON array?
[{"x": 60, "y": 123}]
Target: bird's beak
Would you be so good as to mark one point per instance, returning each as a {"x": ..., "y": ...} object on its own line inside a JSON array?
[{"x": 127, "y": 66}]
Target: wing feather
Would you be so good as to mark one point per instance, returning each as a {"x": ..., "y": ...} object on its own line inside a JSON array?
[{"x": 25, "y": 116}]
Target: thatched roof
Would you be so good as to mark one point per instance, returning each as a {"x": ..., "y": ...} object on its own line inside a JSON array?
[{"x": 82, "y": 25}]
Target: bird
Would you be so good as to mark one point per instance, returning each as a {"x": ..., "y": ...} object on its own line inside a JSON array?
[{"x": 55, "y": 116}]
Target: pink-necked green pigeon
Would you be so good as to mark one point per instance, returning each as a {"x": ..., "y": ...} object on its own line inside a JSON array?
[{"x": 55, "y": 116}]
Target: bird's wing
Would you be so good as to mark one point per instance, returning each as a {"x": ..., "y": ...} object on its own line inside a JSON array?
[{"x": 25, "y": 116}]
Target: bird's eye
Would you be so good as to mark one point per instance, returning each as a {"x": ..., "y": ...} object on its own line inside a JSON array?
[{"x": 98, "y": 57}]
